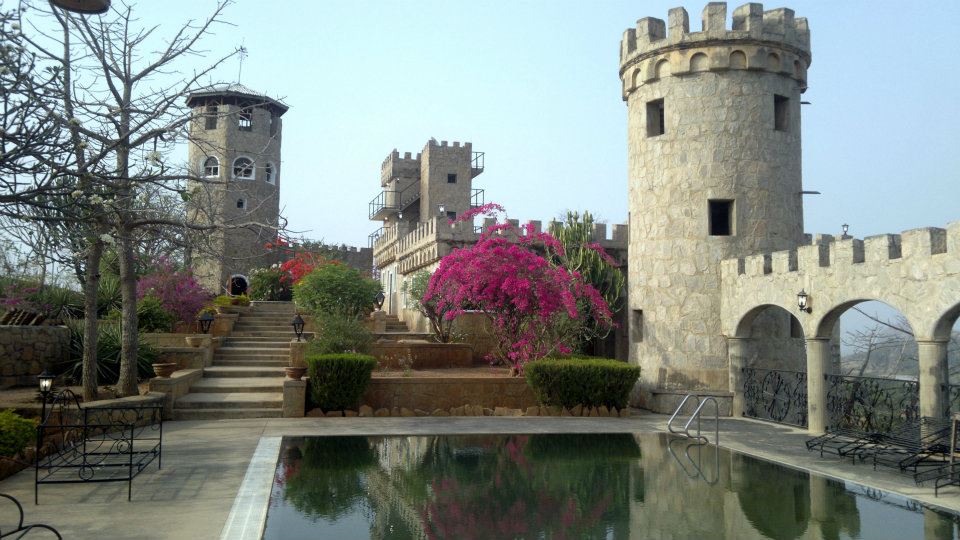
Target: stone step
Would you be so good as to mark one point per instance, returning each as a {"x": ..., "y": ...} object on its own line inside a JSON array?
[
  {"x": 281, "y": 355},
  {"x": 237, "y": 384},
  {"x": 243, "y": 371},
  {"x": 225, "y": 414},
  {"x": 251, "y": 362},
  {"x": 288, "y": 334},
  {"x": 254, "y": 350},
  {"x": 266, "y": 341},
  {"x": 227, "y": 400},
  {"x": 277, "y": 320}
]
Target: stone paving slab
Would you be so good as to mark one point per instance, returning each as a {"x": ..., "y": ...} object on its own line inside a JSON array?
[{"x": 204, "y": 464}]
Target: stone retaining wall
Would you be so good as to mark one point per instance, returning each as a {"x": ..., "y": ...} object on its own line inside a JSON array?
[
  {"x": 429, "y": 393},
  {"x": 26, "y": 350}
]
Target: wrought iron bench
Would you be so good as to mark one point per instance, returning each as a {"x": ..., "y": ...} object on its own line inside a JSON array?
[
  {"x": 24, "y": 529},
  {"x": 96, "y": 443}
]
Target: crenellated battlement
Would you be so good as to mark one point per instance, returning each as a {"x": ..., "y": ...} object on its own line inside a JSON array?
[
  {"x": 773, "y": 41},
  {"x": 394, "y": 165},
  {"x": 826, "y": 253}
]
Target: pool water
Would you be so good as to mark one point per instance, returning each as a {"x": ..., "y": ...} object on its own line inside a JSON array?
[{"x": 583, "y": 486}]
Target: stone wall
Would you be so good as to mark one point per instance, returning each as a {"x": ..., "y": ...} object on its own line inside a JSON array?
[
  {"x": 25, "y": 351},
  {"x": 429, "y": 393},
  {"x": 719, "y": 142}
]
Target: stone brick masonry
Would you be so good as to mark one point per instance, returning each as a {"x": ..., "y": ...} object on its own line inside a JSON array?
[{"x": 26, "y": 350}]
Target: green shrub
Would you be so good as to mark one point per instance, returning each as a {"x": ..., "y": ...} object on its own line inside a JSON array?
[
  {"x": 108, "y": 354},
  {"x": 589, "y": 382},
  {"x": 16, "y": 433},
  {"x": 224, "y": 300},
  {"x": 337, "y": 381},
  {"x": 336, "y": 289},
  {"x": 152, "y": 317},
  {"x": 338, "y": 335},
  {"x": 267, "y": 284}
]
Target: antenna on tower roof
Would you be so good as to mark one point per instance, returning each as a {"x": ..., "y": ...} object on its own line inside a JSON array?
[{"x": 242, "y": 52}]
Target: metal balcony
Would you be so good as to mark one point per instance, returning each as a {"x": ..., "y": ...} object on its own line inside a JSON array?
[
  {"x": 372, "y": 238},
  {"x": 476, "y": 165},
  {"x": 476, "y": 198},
  {"x": 383, "y": 205}
]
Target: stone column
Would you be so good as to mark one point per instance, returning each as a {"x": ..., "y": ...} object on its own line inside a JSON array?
[
  {"x": 818, "y": 365},
  {"x": 933, "y": 378},
  {"x": 736, "y": 356},
  {"x": 294, "y": 398}
]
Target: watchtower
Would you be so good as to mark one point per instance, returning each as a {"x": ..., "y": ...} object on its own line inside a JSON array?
[
  {"x": 713, "y": 172},
  {"x": 235, "y": 153}
]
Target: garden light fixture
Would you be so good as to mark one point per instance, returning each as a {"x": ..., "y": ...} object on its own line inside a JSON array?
[
  {"x": 378, "y": 300},
  {"x": 83, "y": 7},
  {"x": 802, "y": 301},
  {"x": 205, "y": 319},
  {"x": 46, "y": 386},
  {"x": 298, "y": 326}
]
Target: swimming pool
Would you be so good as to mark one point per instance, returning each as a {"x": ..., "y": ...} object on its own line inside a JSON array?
[{"x": 607, "y": 486}]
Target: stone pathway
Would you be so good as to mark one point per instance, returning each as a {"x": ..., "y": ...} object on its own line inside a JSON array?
[{"x": 246, "y": 379}]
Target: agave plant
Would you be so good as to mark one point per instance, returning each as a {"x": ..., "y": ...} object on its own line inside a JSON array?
[{"x": 108, "y": 353}]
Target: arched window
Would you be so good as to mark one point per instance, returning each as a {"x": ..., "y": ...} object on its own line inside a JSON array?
[
  {"x": 241, "y": 204},
  {"x": 243, "y": 168},
  {"x": 211, "y": 167},
  {"x": 270, "y": 173}
]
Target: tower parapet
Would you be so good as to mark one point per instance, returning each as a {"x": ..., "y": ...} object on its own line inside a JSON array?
[{"x": 773, "y": 41}]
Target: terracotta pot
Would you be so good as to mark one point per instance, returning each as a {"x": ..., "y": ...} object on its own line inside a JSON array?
[
  {"x": 164, "y": 369},
  {"x": 194, "y": 341},
  {"x": 295, "y": 373}
]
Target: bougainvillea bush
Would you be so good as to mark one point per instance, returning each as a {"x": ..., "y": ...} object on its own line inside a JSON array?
[
  {"x": 178, "y": 291},
  {"x": 510, "y": 276},
  {"x": 270, "y": 284}
]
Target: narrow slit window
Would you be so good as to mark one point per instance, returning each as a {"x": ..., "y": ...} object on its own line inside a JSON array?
[
  {"x": 452, "y": 178},
  {"x": 241, "y": 204},
  {"x": 245, "y": 120},
  {"x": 721, "y": 217},
  {"x": 656, "y": 118},
  {"x": 781, "y": 113},
  {"x": 210, "y": 117},
  {"x": 636, "y": 326}
]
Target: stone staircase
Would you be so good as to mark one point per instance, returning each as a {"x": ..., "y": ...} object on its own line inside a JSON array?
[
  {"x": 246, "y": 379},
  {"x": 397, "y": 329}
]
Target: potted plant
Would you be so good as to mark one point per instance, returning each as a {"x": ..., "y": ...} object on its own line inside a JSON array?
[{"x": 164, "y": 369}]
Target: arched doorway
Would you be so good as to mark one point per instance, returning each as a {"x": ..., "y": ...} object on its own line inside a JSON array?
[
  {"x": 770, "y": 349},
  {"x": 237, "y": 285},
  {"x": 946, "y": 334}
]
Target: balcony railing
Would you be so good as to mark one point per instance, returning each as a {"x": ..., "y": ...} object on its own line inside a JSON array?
[
  {"x": 374, "y": 236},
  {"x": 476, "y": 198},
  {"x": 476, "y": 164},
  {"x": 383, "y": 204}
]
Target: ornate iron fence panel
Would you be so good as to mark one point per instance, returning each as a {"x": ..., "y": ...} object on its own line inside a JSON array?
[
  {"x": 871, "y": 404},
  {"x": 953, "y": 399},
  {"x": 775, "y": 395}
]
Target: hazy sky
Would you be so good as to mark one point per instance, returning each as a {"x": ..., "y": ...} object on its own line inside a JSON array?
[{"x": 534, "y": 85}]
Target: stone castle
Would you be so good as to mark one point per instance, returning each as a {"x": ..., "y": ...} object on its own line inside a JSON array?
[{"x": 714, "y": 248}]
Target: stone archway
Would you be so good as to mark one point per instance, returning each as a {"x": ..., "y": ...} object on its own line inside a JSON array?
[{"x": 237, "y": 284}]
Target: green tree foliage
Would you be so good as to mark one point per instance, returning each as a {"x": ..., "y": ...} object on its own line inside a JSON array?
[
  {"x": 336, "y": 289},
  {"x": 416, "y": 289},
  {"x": 581, "y": 254},
  {"x": 338, "y": 335}
]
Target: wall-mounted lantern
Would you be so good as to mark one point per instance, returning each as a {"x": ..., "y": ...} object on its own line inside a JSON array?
[
  {"x": 441, "y": 210},
  {"x": 803, "y": 301}
]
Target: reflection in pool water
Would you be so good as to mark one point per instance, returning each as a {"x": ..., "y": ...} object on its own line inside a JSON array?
[{"x": 568, "y": 486}]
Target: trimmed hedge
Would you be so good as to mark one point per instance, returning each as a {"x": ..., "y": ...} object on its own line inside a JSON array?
[
  {"x": 337, "y": 381},
  {"x": 16, "y": 433},
  {"x": 589, "y": 382}
]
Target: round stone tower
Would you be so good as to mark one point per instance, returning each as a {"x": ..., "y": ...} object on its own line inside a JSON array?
[
  {"x": 234, "y": 150},
  {"x": 714, "y": 173}
]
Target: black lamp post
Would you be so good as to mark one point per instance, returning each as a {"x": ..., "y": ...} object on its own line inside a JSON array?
[
  {"x": 206, "y": 318},
  {"x": 802, "y": 301},
  {"x": 298, "y": 326},
  {"x": 46, "y": 386},
  {"x": 379, "y": 299},
  {"x": 84, "y": 7}
]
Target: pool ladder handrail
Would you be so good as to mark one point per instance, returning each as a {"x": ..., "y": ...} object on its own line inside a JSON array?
[{"x": 697, "y": 416}]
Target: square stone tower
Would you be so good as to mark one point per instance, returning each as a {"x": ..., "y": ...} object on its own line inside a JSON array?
[{"x": 234, "y": 150}]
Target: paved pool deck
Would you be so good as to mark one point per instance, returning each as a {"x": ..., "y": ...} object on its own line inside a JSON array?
[{"x": 204, "y": 464}]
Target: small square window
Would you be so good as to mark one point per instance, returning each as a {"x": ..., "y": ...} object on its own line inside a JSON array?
[
  {"x": 210, "y": 117},
  {"x": 452, "y": 216},
  {"x": 781, "y": 113},
  {"x": 656, "y": 118},
  {"x": 721, "y": 217},
  {"x": 636, "y": 326},
  {"x": 241, "y": 204},
  {"x": 451, "y": 178},
  {"x": 245, "y": 121}
]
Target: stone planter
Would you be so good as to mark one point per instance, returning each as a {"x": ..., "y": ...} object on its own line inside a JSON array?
[
  {"x": 295, "y": 373},
  {"x": 164, "y": 369},
  {"x": 194, "y": 341}
]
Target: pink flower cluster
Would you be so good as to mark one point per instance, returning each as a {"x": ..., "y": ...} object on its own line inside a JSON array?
[
  {"x": 525, "y": 296},
  {"x": 178, "y": 291}
]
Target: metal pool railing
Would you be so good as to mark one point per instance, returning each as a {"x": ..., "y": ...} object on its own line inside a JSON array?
[{"x": 776, "y": 395}]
